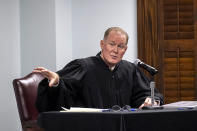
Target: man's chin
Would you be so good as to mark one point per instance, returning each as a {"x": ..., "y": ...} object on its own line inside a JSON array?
[{"x": 114, "y": 62}]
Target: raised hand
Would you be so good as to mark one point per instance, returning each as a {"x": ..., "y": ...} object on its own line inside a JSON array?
[{"x": 50, "y": 75}]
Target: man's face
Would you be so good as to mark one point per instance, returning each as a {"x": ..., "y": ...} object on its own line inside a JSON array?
[{"x": 113, "y": 48}]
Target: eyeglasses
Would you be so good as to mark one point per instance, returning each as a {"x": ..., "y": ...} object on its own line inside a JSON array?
[{"x": 126, "y": 108}]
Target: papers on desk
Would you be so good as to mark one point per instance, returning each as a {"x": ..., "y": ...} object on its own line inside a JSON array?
[
  {"x": 182, "y": 104},
  {"x": 79, "y": 109}
]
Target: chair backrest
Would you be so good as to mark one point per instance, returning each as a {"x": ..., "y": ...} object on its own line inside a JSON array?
[{"x": 26, "y": 92}]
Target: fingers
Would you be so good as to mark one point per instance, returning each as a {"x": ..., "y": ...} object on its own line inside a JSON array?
[
  {"x": 141, "y": 106},
  {"x": 43, "y": 71},
  {"x": 52, "y": 82},
  {"x": 51, "y": 76},
  {"x": 147, "y": 102},
  {"x": 39, "y": 69}
]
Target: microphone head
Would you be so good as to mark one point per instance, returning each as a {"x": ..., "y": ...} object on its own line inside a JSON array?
[
  {"x": 137, "y": 61},
  {"x": 145, "y": 66}
]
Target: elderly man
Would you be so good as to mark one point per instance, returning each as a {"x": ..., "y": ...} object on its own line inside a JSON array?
[{"x": 100, "y": 81}]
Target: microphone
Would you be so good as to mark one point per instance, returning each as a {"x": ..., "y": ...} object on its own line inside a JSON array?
[{"x": 145, "y": 66}]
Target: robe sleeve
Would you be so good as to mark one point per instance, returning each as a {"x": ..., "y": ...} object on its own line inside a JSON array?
[
  {"x": 52, "y": 98},
  {"x": 142, "y": 89}
]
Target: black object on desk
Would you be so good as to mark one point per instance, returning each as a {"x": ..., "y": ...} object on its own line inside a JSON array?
[{"x": 140, "y": 120}]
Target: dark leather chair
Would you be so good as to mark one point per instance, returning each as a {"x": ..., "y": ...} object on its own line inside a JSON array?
[{"x": 26, "y": 91}]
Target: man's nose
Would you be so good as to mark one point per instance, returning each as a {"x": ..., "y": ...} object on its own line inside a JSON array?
[{"x": 115, "y": 49}]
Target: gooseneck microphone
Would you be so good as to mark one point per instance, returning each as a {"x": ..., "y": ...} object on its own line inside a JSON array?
[{"x": 145, "y": 66}]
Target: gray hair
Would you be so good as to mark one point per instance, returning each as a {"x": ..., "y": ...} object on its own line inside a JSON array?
[{"x": 115, "y": 29}]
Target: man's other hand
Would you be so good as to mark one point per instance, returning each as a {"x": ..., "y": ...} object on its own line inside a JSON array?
[{"x": 147, "y": 102}]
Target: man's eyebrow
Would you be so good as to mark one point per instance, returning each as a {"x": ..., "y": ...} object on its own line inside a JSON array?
[{"x": 118, "y": 44}]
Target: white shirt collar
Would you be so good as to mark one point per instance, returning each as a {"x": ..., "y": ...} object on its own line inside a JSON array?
[{"x": 112, "y": 68}]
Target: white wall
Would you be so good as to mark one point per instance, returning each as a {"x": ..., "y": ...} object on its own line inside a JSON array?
[
  {"x": 38, "y": 39},
  {"x": 10, "y": 63},
  {"x": 46, "y": 36},
  {"x": 63, "y": 33},
  {"x": 55, "y": 32},
  {"x": 50, "y": 33},
  {"x": 91, "y": 18}
]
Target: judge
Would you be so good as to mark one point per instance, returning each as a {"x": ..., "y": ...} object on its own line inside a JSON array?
[{"x": 100, "y": 81}]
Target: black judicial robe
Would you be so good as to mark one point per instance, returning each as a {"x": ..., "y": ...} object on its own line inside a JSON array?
[{"x": 89, "y": 82}]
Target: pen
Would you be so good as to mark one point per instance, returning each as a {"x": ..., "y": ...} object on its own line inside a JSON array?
[
  {"x": 180, "y": 108},
  {"x": 106, "y": 110},
  {"x": 133, "y": 109},
  {"x": 187, "y": 108},
  {"x": 64, "y": 108}
]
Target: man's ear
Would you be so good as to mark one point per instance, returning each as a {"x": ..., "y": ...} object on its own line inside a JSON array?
[
  {"x": 101, "y": 44},
  {"x": 125, "y": 50}
]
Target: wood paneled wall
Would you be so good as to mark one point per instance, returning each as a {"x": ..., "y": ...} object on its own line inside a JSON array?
[{"x": 167, "y": 40}]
